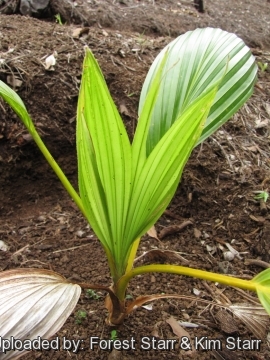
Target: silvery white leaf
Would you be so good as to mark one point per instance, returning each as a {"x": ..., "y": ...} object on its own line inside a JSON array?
[{"x": 34, "y": 303}]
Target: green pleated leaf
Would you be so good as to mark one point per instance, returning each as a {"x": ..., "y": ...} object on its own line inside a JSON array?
[
  {"x": 262, "y": 283},
  {"x": 16, "y": 103},
  {"x": 195, "y": 60},
  {"x": 156, "y": 181},
  {"x": 91, "y": 190},
  {"x": 104, "y": 159},
  {"x": 140, "y": 137}
]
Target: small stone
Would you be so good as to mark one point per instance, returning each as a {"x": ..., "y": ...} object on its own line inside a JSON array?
[
  {"x": 41, "y": 218},
  {"x": 225, "y": 267},
  {"x": 186, "y": 316},
  {"x": 3, "y": 246},
  {"x": 80, "y": 233},
  {"x": 228, "y": 256}
]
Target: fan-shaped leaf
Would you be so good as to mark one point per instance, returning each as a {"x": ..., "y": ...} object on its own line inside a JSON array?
[
  {"x": 196, "y": 60},
  {"x": 253, "y": 316},
  {"x": 33, "y": 303}
]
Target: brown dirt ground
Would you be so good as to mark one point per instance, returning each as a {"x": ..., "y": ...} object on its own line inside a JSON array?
[{"x": 216, "y": 192}]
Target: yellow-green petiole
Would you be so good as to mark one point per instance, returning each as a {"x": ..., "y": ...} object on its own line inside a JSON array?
[{"x": 181, "y": 270}]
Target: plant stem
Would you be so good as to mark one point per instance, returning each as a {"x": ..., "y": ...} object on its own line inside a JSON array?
[
  {"x": 181, "y": 270},
  {"x": 116, "y": 308},
  {"x": 111, "y": 263},
  {"x": 62, "y": 177},
  {"x": 132, "y": 254}
]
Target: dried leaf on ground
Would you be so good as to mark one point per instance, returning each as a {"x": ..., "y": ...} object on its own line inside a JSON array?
[
  {"x": 76, "y": 33},
  {"x": 152, "y": 232},
  {"x": 123, "y": 110},
  {"x": 254, "y": 317},
  {"x": 179, "y": 331},
  {"x": 197, "y": 233}
]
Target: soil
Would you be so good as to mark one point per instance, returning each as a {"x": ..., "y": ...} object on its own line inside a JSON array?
[{"x": 43, "y": 228}]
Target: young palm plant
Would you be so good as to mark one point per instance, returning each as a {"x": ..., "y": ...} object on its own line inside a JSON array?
[{"x": 195, "y": 84}]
